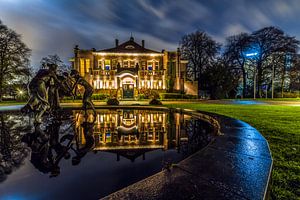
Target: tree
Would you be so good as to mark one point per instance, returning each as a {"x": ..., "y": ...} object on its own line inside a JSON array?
[
  {"x": 294, "y": 74},
  {"x": 55, "y": 59},
  {"x": 234, "y": 53},
  {"x": 14, "y": 57},
  {"x": 270, "y": 40},
  {"x": 222, "y": 79},
  {"x": 200, "y": 50}
]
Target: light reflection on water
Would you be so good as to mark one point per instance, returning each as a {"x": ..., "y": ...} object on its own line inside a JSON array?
[{"x": 99, "y": 153}]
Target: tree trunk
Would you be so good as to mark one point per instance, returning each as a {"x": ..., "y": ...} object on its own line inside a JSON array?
[
  {"x": 1, "y": 87},
  {"x": 259, "y": 79},
  {"x": 244, "y": 82},
  {"x": 282, "y": 85},
  {"x": 282, "y": 81}
]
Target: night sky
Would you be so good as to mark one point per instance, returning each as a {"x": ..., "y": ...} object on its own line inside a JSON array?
[{"x": 55, "y": 26}]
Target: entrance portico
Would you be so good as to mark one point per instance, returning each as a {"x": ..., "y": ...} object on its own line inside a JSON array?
[{"x": 127, "y": 82}]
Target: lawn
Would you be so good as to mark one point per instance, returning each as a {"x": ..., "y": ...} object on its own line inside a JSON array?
[{"x": 280, "y": 125}]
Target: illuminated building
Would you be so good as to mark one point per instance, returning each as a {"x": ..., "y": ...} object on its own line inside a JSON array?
[{"x": 129, "y": 69}]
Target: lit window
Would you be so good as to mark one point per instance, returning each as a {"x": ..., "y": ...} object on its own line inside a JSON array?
[
  {"x": 114, "y": 64},
  {"x": 107, "y": 64},
  {"x": 87, "y": 65},
  {"x": 149, "y": 65},
  {"x": 132, "y": 64},
  {"x": 82, "y": 71},
  {"x": 143, "y": 64},
  {"x": 156, "y": 65},
  {"x": 113, "y": 84},
  {"x": 99, "y": 64},
  {"x": 125, "y": 63}
]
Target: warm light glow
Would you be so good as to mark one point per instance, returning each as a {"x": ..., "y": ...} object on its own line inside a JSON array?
[
  {"x": 128, "y": 54},
  {"x": 21, "y": 92},
  {"x": 126, "y": 74}
]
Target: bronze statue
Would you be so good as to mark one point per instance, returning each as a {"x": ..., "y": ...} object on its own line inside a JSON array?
[
  {"x": 38, "y": 101},
  {"x": 46, "y": 88},
  {"x": 88, "y": 90}
]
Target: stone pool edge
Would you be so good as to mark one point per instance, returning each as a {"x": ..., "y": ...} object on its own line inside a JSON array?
[{"x": 206, "y": 174}]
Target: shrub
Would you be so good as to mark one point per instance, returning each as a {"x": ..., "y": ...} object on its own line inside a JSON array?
[
  {"x": 154, "y": 94},
  {"x": 287, "y": 95},
  {"x": 113, "y": 102},
  {"x": 149, "y": 93},
  {"x": 99, "y": 96},
  {"x": 178, "y": 96},
  {"x": 155, "y": 102}
]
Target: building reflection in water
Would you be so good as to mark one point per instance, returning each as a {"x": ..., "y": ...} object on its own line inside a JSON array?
[
  {"x": 132, "y": 133},
  {"x": 129, "y": 133}
]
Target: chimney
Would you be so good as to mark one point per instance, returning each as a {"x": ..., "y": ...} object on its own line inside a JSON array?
[
  {"x": 143, "y": 43},
  {"x": 117, "y": 42}
]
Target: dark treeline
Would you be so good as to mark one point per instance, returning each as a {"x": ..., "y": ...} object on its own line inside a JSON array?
[{"x": 264, "y": 63}]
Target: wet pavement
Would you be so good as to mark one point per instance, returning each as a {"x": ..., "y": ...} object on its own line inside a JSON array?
[{"x": 236, "y": 165}]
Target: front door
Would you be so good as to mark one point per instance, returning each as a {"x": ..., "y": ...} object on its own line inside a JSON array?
[{"x": 127, "y": 91}]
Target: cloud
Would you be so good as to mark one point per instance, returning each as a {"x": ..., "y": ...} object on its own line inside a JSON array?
[
  {"x": 233, "y": 29},
  {"x": 55, "y": 26}
]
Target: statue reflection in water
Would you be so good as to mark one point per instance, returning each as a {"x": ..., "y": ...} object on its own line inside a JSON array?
[
  {"x": 88, "y": 133},
  {"x": 48, "y": 147}
]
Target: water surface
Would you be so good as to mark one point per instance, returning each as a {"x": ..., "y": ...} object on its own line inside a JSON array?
[{"x": 79, "y": 155}]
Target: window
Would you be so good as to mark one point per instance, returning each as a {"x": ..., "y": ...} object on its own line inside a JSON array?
[
  {"x": 128, "y": 63},
  {"x": 114, "y": 64},
  {"x": 132, "y": 64},
  {"x": 107, "y": 64},
  {"x": 125, "y": 63},
  {"x": 143, "y": 65},
  {"x": 87, "y": 65},
  {"x": 99, "y": 64},
  {"x": 149, "y": 65},
  {"x": 81, "y": 69},
  {"x": 156, "y": 65}
]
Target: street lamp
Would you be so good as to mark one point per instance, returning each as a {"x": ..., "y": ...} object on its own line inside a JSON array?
[{"x": 252, "y": 55}]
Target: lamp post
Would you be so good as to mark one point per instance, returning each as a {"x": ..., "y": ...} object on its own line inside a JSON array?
[
  {"x": 254, "y": 84},
  {"x": 253, "y": 55},
  {"x": 273, "y": 76}
]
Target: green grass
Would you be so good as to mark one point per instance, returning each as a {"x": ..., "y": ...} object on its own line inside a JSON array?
[
  {"x": 280, "y": 125},
  {"x": 11, "y": 103},
  {"x": 269, "y": 99}
]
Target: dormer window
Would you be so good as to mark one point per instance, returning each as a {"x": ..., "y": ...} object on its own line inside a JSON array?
[{"x": 129, "y": 47}]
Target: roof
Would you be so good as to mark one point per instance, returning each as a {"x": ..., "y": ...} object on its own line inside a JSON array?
[{"x": 128, "y": 47}]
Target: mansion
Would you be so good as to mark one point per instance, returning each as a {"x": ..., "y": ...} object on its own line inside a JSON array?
[{"x": 129, "y": 70}]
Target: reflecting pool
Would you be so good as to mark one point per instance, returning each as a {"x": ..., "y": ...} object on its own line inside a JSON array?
[{"x": 81, "y": 155}]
